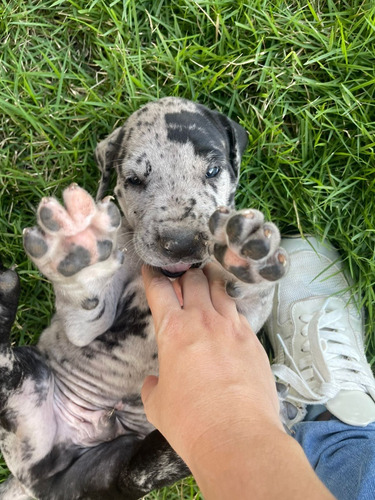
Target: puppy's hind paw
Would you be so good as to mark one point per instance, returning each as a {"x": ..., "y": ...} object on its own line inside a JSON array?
[{"x": 9, "y": 295}]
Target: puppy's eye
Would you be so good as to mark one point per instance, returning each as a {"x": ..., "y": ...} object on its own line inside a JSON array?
[
  {"x": 212, "y": 172},
  {"x": 134, "y": 181}
]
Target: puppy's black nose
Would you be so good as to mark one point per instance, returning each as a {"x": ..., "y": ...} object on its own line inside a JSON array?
[{"x": 178, "y": 244}]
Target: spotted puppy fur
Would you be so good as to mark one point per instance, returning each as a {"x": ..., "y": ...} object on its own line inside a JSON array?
[{"x": 71, "y": 417}]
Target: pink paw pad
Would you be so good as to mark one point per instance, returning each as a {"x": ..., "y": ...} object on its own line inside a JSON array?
[{"x": 74, "y": 236}]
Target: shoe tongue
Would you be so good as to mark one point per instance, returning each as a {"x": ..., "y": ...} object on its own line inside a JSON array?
[{"x": 353, "y": 408}]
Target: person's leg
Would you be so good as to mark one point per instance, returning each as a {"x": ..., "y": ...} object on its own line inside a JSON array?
[
  {"x": 316, "y": 331},
  {"x": 342, "y": 455}
]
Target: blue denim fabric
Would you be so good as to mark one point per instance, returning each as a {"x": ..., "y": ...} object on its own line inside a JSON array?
[{"x": 342, "y": 456}]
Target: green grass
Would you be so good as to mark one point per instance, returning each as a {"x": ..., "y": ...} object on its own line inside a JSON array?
[{"x": 298, "y": 75}]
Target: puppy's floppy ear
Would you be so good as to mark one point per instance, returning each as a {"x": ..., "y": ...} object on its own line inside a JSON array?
[
  {"x": 108, "y": 154},
  {"x": 237, "y": 139}
]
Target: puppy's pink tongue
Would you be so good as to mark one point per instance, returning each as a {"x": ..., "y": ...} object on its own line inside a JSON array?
[{"x": 177, "y": 268}]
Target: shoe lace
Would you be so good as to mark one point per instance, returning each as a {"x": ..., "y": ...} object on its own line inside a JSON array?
[{"x": 330, "y": 362}]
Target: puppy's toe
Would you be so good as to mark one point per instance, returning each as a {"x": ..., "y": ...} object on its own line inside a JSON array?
[
  {"x": 108, "y": 217},
  {"x": 242, "y": 225},
  {"x": 53, "y": 218},
  {"x": 276, "y": 266},
  {"x": 9, "y": 282},
  {"x": 79, "y": 204},
  {"x": 34, "y": 242},
  {"x": 217, "y": 222}
]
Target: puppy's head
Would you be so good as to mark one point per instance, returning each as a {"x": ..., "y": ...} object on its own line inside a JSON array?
[{"x": 176, "y": 162}]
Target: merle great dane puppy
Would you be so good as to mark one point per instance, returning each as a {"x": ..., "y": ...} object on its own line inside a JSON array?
[{"x": 72, "y": 425}]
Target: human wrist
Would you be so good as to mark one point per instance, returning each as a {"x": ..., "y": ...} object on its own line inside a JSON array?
[
  {"x": 254, "y": 465},
  {"x": 229, "y": 436},
  {"x": 225, "y": 463}
]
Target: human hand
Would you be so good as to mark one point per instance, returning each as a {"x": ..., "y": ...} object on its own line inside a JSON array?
[{"x": 215, "y": 380}]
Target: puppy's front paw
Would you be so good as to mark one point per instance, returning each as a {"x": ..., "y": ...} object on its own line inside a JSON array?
[
  {"x": 71, "y": 238},
  {"x": 246, "y": 246}
]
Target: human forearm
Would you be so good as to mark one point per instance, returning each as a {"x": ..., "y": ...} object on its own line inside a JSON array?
[{"x": 266, "y": 464}]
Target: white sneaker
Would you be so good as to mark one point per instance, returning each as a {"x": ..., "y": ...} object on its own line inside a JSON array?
[{"x": 316, "y": 331}]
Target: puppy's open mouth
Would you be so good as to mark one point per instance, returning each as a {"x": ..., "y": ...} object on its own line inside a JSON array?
[{"x": 176, "y": 270}]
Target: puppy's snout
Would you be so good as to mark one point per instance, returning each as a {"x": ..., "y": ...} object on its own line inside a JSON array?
[{"x": 179, "y": 244}]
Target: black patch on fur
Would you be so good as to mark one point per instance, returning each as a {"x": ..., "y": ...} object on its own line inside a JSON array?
[
  {"x": 59, "y": 458},
  {"x": 41, "y": 390},
  {"x": 187, "y": 213},
  {"x": 88, "y": 352},
  {"x": 156, "y": 463},
  {"x": 133, "y": 400},
  {"x": 8, "y": 420},
  {"x": 28, "y": 363},
  {"x": 187, "y": 126},
  {"x": 114, "y": 148},
  {"x": 140, "y": 158},
  {"x": 130, "y": 133},
  {"x": 114, "y": 151},
  {"x": 26, "y": 450},
  {"x": 231, "y": 199},
  {"x": 130, "y": 320},
  {"x": 148, "y": 169},
  {"x": 143, "y": 110},
  {"x": 85, "y": 473},
  {"x": 235, "y": 136},
  {"x": 211, "y": 183},
  {"x": 90, "y": 303}
]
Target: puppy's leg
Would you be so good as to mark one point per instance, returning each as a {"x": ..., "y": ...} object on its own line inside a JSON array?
[
  {"x": 248, "y": 249},
  {"x": 25, "y": 398},
  {"x": 10, "y": 371},
  {"x": 76, "y": 248},
  {"x": 124, "y": 468},
  {"x": 13, "y": 490},
  {"x": 154, "y": 466},
  {"x": 9, "y": 295}
]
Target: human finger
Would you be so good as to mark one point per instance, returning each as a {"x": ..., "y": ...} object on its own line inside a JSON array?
[
  {"x": 221, "y": 301},
  {"x": 195, "y": 289},
  {"x": 160, "y": 294}
]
